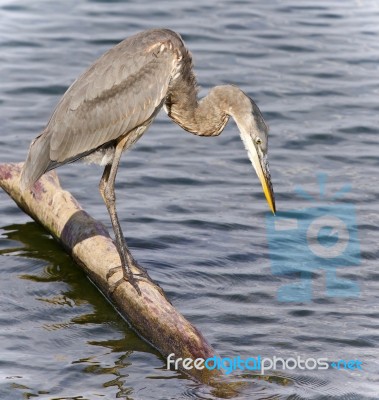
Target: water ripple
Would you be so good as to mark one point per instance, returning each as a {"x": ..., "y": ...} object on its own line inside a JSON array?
[{"x": 192, "y": 208}]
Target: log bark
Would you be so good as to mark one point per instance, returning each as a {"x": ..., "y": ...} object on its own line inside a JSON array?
[{"x": 151, "y": 314}]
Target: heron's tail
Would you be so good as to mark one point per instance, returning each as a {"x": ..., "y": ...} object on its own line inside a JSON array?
[{"x": 37, "y": 162}]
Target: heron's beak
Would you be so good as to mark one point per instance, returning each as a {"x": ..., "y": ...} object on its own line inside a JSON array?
[{"x": 260, "y": 164}]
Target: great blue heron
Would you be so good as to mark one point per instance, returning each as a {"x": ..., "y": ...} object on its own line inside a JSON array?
[{"x": 108, "y": 108}]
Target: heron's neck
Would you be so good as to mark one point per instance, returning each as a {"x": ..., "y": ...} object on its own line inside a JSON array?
[{"x": 207, "y": 116}]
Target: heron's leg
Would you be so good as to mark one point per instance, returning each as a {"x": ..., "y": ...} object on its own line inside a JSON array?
[{"x": 107, "y": 191}]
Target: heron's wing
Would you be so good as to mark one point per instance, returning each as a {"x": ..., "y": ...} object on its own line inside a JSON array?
[{"x": 121, "y": 91}]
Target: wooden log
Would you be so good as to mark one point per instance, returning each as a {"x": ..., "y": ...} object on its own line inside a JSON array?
[{"x": 151, "y": 314}]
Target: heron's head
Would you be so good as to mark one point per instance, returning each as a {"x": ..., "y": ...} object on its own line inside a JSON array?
[{"x": 254, "y": 134}]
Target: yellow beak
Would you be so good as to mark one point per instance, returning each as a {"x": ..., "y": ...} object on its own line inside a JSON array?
[{"x": 260, "y": 164}]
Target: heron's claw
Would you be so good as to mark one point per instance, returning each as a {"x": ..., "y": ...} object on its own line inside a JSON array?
[
  {"x": 132, "y": 281},
  {"x": 112, "y": 271},
  {"x": 128, "y": 277}
]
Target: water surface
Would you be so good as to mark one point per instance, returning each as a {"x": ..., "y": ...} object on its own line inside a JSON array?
[{"x": 192, "y": 209}]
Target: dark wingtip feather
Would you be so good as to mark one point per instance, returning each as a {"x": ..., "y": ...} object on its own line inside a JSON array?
[{"x": 37, "y": 162}]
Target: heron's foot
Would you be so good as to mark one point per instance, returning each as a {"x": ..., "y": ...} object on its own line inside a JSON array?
[
  {"x": 114, "y": 270},
  {"x": 128, "y": 277}
]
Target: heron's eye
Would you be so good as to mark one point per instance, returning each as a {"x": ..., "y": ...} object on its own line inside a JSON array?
[{"x": 258, "y": 140}]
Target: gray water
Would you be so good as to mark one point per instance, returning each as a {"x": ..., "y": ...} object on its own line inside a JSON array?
[{"x": 192, "y": 208}]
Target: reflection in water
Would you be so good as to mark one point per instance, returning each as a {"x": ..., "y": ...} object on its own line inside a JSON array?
[
  {"x": 80, "y": 295},
  {"x": 77, "y": 293},
  {"x": 191, "y": 209}
]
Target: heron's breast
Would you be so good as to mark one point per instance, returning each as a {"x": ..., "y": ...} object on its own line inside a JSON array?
[{"x": 102, "y": 156}]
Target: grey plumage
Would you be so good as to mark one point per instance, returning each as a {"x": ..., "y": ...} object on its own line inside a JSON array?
[
  {"x": 120, "y": 91},
  {"x": 114, "y": 101}
]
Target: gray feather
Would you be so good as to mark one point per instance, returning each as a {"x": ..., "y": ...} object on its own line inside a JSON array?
[
  {"x": 36, "y": 163},
  {"x": 122, "y": 90}
]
